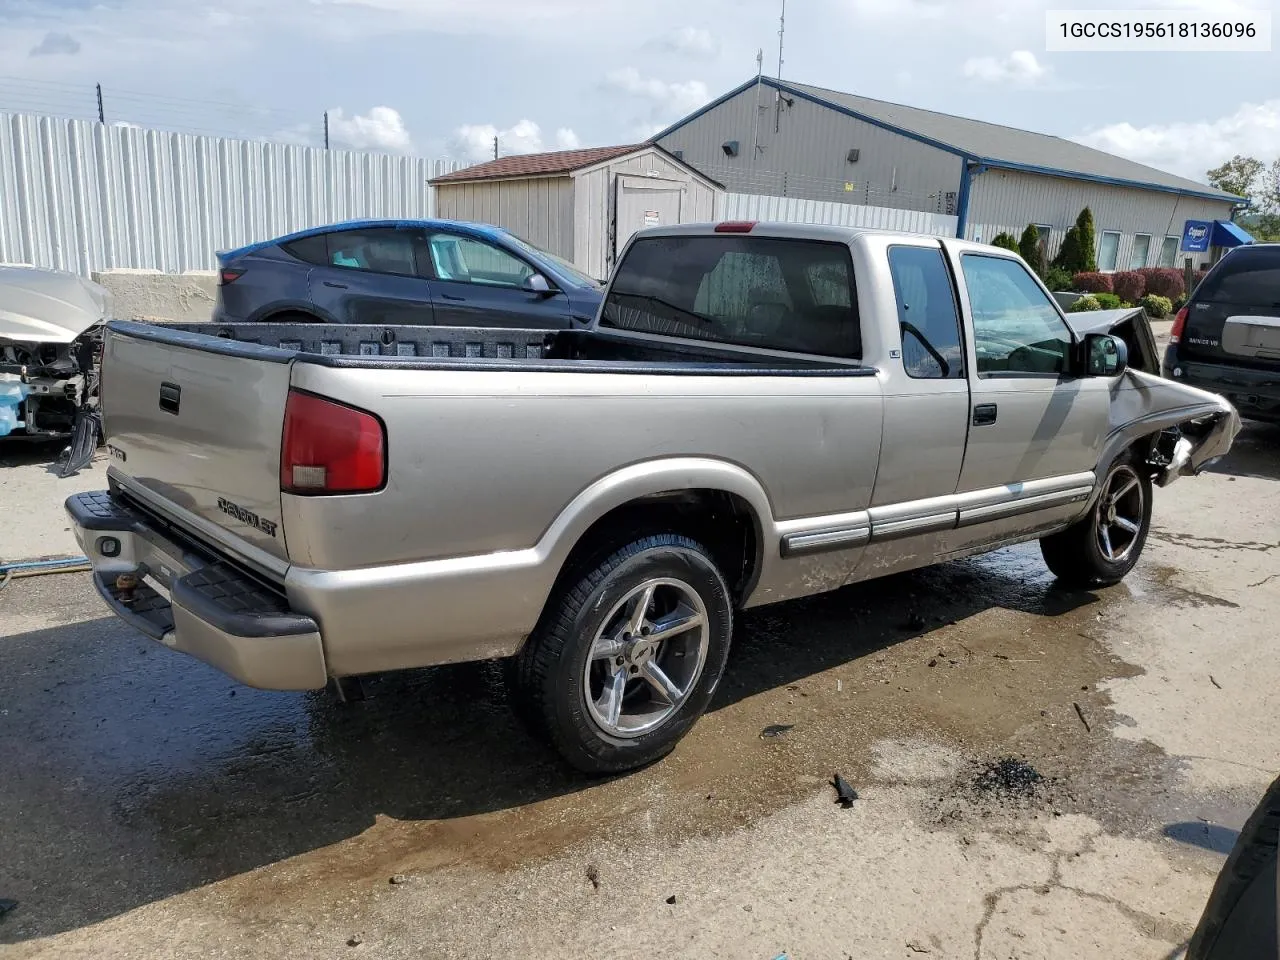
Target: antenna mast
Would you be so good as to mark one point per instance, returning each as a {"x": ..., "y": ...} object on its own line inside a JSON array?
[
  {"x": 755, "y": 129},
  {"x": 782, "y": 29}
]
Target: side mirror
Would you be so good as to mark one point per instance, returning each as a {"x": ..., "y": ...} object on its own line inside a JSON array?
[
  {"x": 1105, "y": 355},
  {"x": 537, "y": 283}
]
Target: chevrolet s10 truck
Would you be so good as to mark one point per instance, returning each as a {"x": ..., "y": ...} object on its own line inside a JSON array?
[{"x": 758, "y": 412}]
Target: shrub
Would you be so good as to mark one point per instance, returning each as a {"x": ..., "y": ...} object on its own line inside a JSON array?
[
  {"x": 1109, "y": 301},
  {"x": 1163, "y": 281},
  {"x": 1179, "y": 302},
  {"x": 1085, "y": 304},
  {"x": 1068, "y": 257},
  {"x": 1029, "y": 247},
  {"x": 1087, "y": 240},
  {"x": 1129, "y": 285},
  {"x": 1006, "y": 241},
  {"x": 1156, "y": 307},
  {"x": 1092, "y": 282},
  {"x": 1057, "y": 279}
]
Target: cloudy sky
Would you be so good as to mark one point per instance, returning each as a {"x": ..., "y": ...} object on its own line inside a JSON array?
[{"x": 443, "y": 77}]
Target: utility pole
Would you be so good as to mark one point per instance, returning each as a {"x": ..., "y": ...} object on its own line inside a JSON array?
[
  {"x": 326, "y": 129},
  {"x": 102, "y": 114},
  {"x": 495, "y": 148}
]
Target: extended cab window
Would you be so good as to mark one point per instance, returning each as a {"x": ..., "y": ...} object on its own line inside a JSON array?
[
  {"x": 779, "y": 294},
  {"x": 1016, "y": 328},
  {"x": 378, "y": 250},
  {"x": 467, "y": 260},
  {"x": 927, "y": 313},
  {"x": 1249, "y": 277}
]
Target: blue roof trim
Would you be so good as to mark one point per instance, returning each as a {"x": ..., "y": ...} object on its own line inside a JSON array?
[
  {"x": 475, "y": 229},
  {"x": 865, "y": 118},
  {"x": 940, "y": 145},
  {"x": 1113, "y": 181}
]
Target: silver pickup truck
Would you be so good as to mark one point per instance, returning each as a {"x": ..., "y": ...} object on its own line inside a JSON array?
[{"x": 759, "y": 412}]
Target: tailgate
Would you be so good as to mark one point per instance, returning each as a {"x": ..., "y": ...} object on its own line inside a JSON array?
[
  {"x": 1234, "y": 315},
  {"x": 194, "y": 422}
]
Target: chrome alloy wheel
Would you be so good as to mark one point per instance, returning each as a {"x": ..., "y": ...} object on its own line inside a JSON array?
[
  {"x": 646, "y": 658},
  {"x": 1118, "y": 515}
]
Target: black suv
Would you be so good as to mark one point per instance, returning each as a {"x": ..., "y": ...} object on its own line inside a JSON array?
[{"x": 1227, "y": 338}]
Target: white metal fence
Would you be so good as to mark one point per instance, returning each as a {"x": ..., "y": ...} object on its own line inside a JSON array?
[
  {"x": 82, "y": 196},
  {"x": 748, "y": 206}
]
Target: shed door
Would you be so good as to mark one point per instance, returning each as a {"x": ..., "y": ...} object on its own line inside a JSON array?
[{"x": 644, "y": 202}]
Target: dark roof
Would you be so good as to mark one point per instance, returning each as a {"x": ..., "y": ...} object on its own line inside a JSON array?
[
  {"x": 539, "y": 164},
  {"x": 988, "y": 143}
]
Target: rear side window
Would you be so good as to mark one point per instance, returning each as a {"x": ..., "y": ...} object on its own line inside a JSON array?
[
  {"x": 378, "y": 250},
  {"x": 314, "y": 249},
  {"x": 779, "y": 294},
  {"x": 1249, "y": 277},
  {"x": 926, "y": 313}
]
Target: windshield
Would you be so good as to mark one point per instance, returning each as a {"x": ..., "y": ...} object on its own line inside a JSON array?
[{"x": 563, "y": 265}]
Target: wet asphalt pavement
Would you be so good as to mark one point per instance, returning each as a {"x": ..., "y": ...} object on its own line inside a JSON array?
[{"x": 131, "y": 775}]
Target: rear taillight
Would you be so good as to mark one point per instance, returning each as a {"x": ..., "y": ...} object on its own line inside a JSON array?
[
  {"x": 735, "y": 226},
  {"x": 329, "y": 447},
  {"x": 229, "y": 275},
  {"x": 1179, "y": 321}
]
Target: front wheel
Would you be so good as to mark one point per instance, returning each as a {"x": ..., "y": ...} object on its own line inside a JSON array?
[
  {"x": 1102, "y": 547},
  {"x": 628, "y": 654}
]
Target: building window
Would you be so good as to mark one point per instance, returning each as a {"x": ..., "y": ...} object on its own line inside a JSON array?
[
  {"x": 1141, "y": 250},
  {"x": 1044, "y": 231},
  {"x": 1169, "y": 252},
  {"x": 1108, "y": 250}
]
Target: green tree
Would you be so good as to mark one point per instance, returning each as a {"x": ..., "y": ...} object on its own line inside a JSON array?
[
  {"x": 1238, "y": 175},
  {"x": 1087, "y": 240},
  {"x": 1068, "y": 257},
  {"x": 1006, "y": 241},
  {"x": 1029, "y": 247}
]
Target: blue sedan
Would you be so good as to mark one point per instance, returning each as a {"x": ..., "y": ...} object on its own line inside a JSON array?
[{"x": 390, "y": 272}]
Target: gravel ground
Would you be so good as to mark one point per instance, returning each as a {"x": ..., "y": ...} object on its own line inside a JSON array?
[{"x": 153, "y": 808}]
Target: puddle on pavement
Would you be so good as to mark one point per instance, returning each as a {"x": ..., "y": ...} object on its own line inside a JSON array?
[{"x": 203, "y": 780}]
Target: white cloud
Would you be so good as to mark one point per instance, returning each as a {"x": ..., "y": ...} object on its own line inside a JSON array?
[
  {"x": 382, "y": 128},
  {"x": 694, "y": 41},
  {"x": 55, "y": 43},
  {"x": 1020, "y": 67},
  {"x": 474, "y": 142},
  {"x": 1192, "y": 147},
  {"x": 664, "y": 101}
]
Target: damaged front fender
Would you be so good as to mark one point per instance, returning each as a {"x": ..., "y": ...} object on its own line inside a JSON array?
[{"x": 1188, "y": 428}]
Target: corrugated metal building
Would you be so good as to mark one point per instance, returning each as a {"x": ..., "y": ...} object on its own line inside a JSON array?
[
  {"x": 582, "y": 205},
  {"x": 794, "y": 140},
  {"x": 84, "y": 197}
]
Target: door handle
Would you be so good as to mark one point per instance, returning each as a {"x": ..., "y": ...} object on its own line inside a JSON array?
[
  {"x": 336, "y": 286},
  {"x": 450, "y": 296},
  {"x": 170, "y": 398},
  {"x": 984, "y": 414}
]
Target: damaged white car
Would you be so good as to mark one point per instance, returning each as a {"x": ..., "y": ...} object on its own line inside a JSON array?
[{"x": 50, "y": 347}]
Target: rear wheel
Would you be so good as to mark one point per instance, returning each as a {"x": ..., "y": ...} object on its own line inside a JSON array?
[
  {"x": 628, "y": 654},
  {"x": 1102, "y": 547}
]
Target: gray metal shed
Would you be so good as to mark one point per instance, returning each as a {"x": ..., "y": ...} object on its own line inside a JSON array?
[{"x": 582, "y": 205}]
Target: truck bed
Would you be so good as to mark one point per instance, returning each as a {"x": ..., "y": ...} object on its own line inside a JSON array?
[{"x": 452, "y": 348}]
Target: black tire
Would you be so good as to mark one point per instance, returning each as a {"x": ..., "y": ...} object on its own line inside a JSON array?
[
  {"x": 550, "y": 672},
  {"x": 1075, "y": 555},
  {"x": 1239, "y": 921}
]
